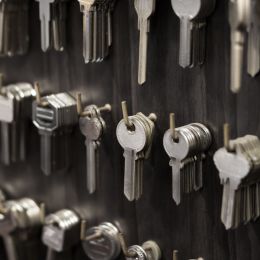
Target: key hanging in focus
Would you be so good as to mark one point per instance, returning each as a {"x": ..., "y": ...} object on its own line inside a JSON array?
[
  {"x": 192, "y": 14},
  {"x": 135, "y": 135},
  {"x": 55, "y": 116},
  {"x": 186, "y": 147},
  {"x": 92, "y": 126},
  {"x": 238, "y": 163}
]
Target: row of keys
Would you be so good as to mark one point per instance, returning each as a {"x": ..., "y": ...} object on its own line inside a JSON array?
[
  {"x": 97, "y": 28},
  {"x": 64, "y": 229},
  {"x": 55, "y": 116},
  {"x": 244, "y": 18}
]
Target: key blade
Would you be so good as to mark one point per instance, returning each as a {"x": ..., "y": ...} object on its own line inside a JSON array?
[
  {"x": 176, "y": 180},
  {"x": 130, "y": 174},
  {"x": 45, "y": 17},
  {"x": 185, "y": 42},
  {"x": 253, "y": 55},
  {"x": 91, "y": 165},
  {"x": 143, "y": 44}
]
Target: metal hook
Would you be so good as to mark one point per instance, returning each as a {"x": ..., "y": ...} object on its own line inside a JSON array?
[
  {"x": 38, "y": 95},
  {"x": 128, "y": 123},
  {"x": 106, "y": 107},
  {"x": 124, "y": 246},
  {"x": 172, "y": 127},
  {"x": 226, "y": 133}
]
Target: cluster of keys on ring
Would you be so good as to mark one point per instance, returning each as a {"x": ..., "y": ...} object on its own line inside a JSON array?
[{"x": 244, "y": 20}]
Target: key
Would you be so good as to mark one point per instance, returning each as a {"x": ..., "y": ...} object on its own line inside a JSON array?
[
  {"x": 253, "y": 59},
  {"x": 60, "y": 232},
  {"x": 239, "y": 15},
  {"x": 58, "y": 24},
  {"x": 185, "y": 146},
  {"x": 15, "y": 104},
  {"x": 87, "y": 8},
  {"x": 92, "y": 126},
  {"x": 45, "y": 18},
  {"x": 101, "y": 242},
  {"x": 136, "y": 142},
  {"x": 148, "y": 251},
  {"x": 192, "y": 36},
  {"x": 55, "y": 116},
  {"x": 16, "y": 217},
  {"x": 144, "y": 9},
  {"x": 233, "y": 167}
]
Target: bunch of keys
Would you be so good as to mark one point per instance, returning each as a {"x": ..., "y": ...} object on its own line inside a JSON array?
[
  {"x": 19, "y": 219},
  {"x": 54, "y": 116},
  {"x": 61, "y": 232},
  {"x": 15, "y": 113},
  {"x": 144, "y": 10},
  {"x": 53, "y": 16},
  {"x": 92, "y": 126},
  {"x": 97, "y": 28},
  {"x": 135, "y": 135},
  {"x": 238, "y": 164},
  {"x": 192, "y": 14},
  {"x": 14, "y": 25},
  {"x": 239, "y": 20},
  {"x": 186, "y": 146},
  {"x": 149, "y": 250},
  {"x": 101, "y": 242}
]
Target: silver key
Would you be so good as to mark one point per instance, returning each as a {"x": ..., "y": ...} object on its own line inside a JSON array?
[
  {"x": 87, "y": 8},
  {"x": 239, "y": 17},
  {"x": 253, "y": 55},
  {"x": 144, "y": 9},
  {"x": 136, "y": 142},
  {"x": 191, "y": 13},
  {"x": 55, "y": 120},
  {"x": 92, "y": 126},
  {"x": 45, "y": 18}
]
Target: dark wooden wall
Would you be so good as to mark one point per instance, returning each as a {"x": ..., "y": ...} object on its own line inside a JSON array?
[{"x": 199, "y": 94}]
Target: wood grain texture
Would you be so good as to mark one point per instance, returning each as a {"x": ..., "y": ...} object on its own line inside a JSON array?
[{"x": 198, "y": 94}]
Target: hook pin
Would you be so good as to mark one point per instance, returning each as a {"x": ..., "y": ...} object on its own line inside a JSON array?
[
  {"x": 128, "y": 123},
  {"x": 38, "y": 95},
  {"x": 106, "y": 107},
  {"x": 172, "y": 126},
  {"x": 42, "y": 212},
  {"x": 226, "y": 130}
]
